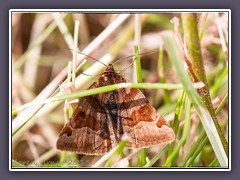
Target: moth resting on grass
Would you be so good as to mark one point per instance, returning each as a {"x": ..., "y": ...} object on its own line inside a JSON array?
[{"x": 100, "y": 121}]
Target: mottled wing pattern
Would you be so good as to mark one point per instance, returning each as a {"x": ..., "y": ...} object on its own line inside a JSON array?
[
  {"x": 87, "y": 130},
  {"x": 142, "y": 125},
  {"x": 101, "y": 121}
]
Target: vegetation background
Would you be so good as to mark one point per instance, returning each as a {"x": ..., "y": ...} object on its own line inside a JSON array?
[{"x": 43, "y": 44}]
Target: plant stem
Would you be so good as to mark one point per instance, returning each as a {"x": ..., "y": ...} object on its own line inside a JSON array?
[
  {"x": 189, "y": 21},
  {"x": 138, "y": 63},
  {"x": 198, "y": 104}
]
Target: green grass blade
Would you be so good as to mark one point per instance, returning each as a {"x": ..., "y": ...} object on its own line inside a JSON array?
[
  {"x": 185, "y": 134},
  {"x": 157, "y": 157},
  {"x": 99, "y": 90},
  {"x": 198, "y": 151},
  {"x": 214, "y": 163},
  {"x": 223, "y": 102},
  {"x": 142, "y": 158},
  {"x": 138, "y": 63},
  {"x": 219, "y": 82},
  {"x": 116, "y": 155},
  {"x": 166, "y": 96},
  {"x": 17, "y": 164},
  {"x": 192, "y": 94},
  {"x": 177, "y": 119},
  {"x": 193, "y": 149}
]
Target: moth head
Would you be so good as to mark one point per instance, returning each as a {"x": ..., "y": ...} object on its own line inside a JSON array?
[
  {"x": 109, "y": 76},
  {"x": 110, "y": 68}
]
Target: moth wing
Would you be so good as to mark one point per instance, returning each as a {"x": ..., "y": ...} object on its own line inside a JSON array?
[
  {"x": 142, "y": 125},
  {"x": 86, "y": 132}
]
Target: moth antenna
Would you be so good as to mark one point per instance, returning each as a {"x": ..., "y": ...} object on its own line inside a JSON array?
[
  {"x": 86, "y": 74},
  {"x": 90, "y": 57},
  {"x": 90, "y": 75},
  {"x": 150, "y": 52},
  {"x": 125, "y": 68}
]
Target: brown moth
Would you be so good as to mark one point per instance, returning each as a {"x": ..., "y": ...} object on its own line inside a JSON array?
[{"x": 100, "y": 121}]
